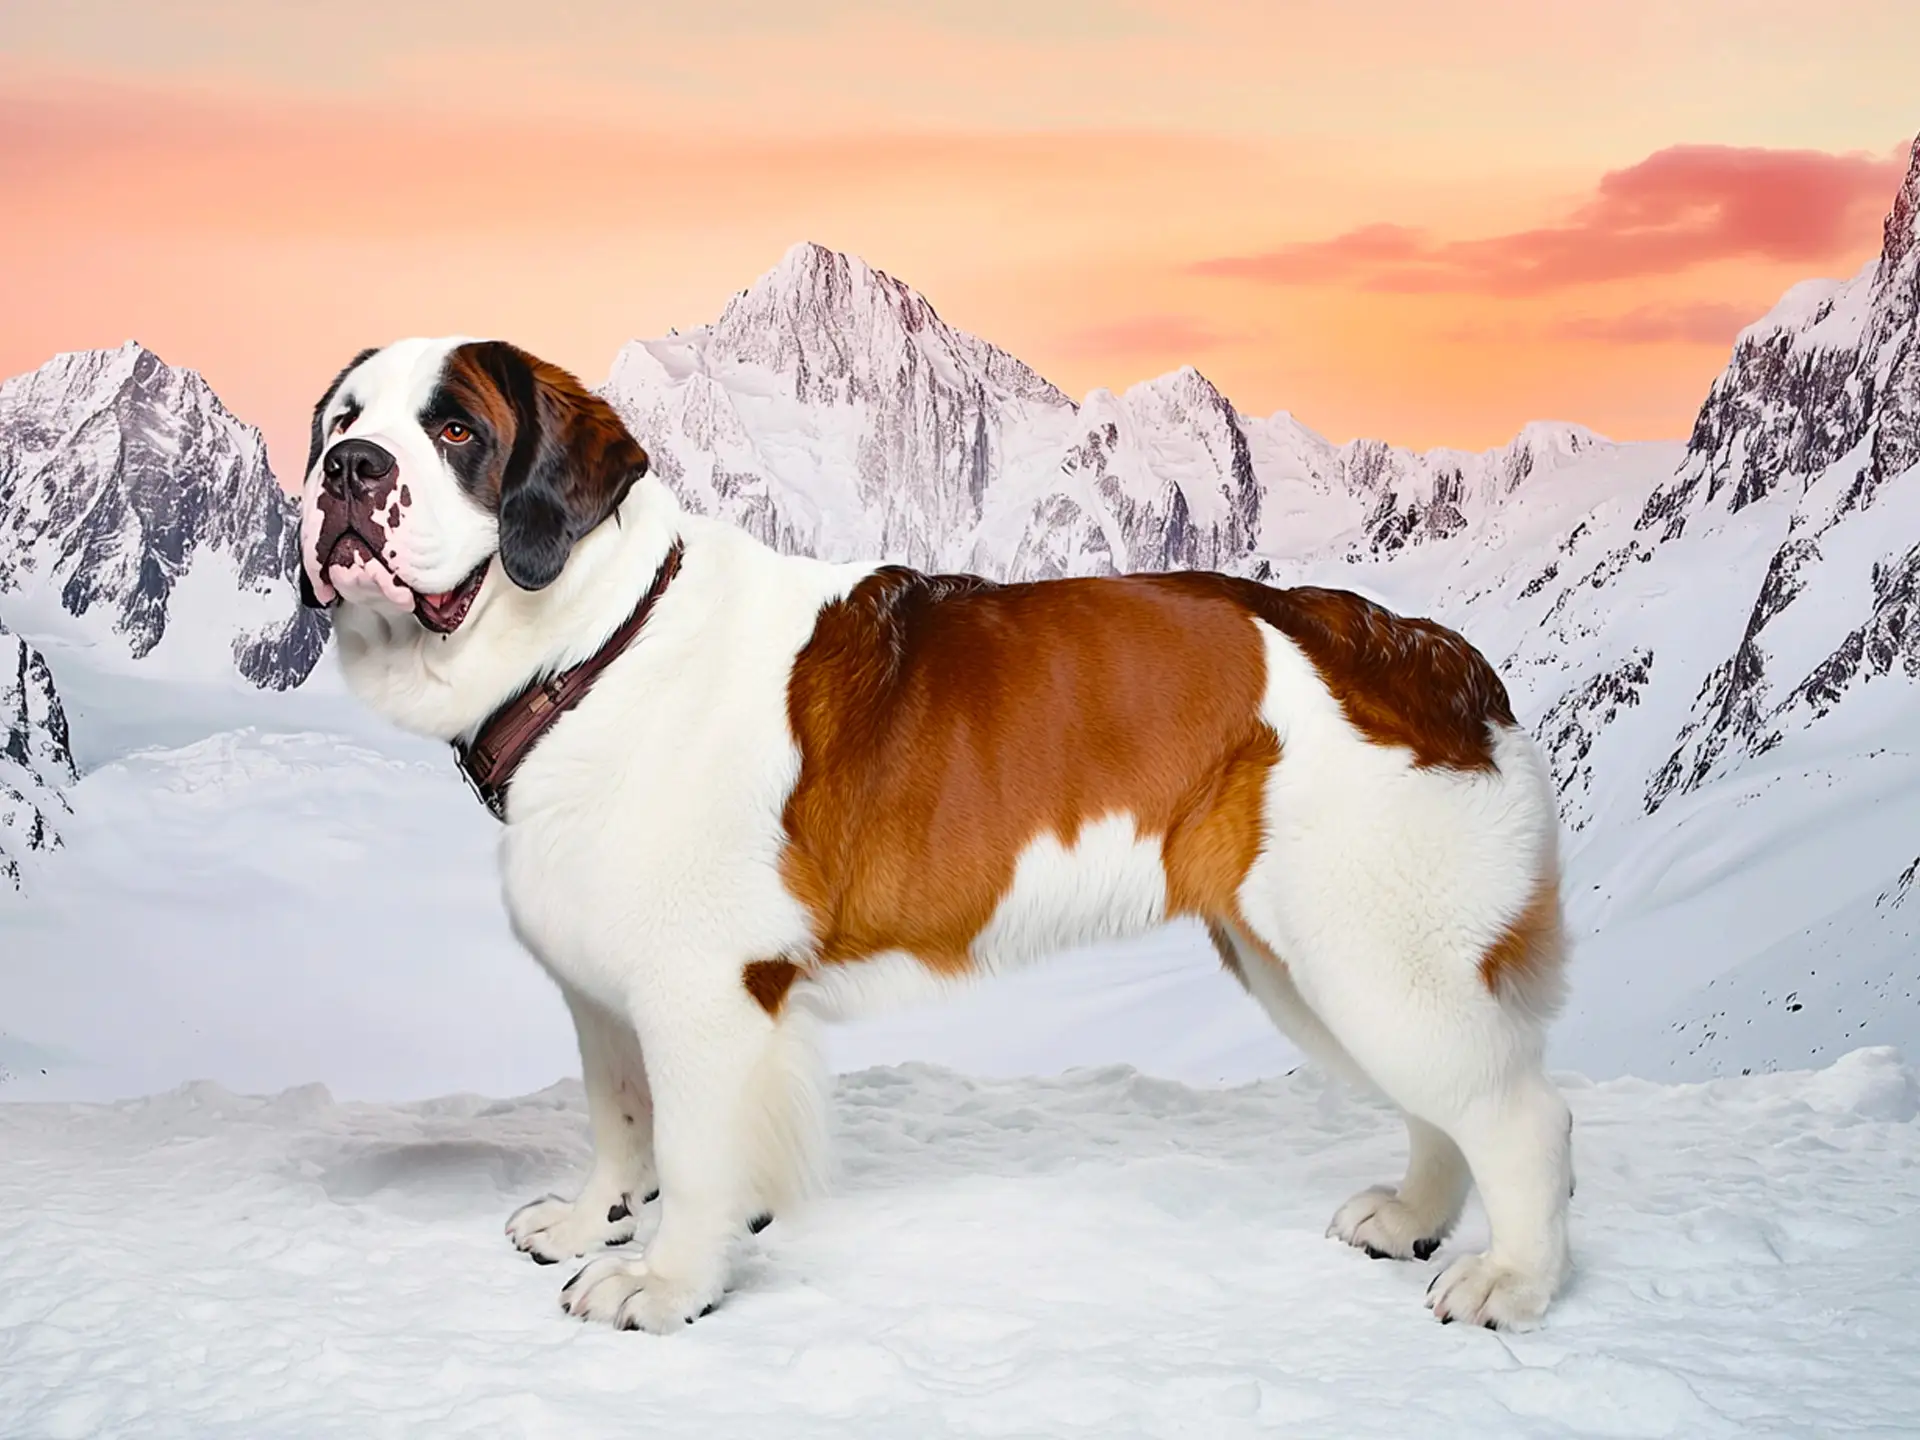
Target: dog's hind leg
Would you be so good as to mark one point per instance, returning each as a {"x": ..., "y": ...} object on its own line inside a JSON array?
[
  {"x": 1461, "y": 1055},
  {"x": 1410, "y": 1221},
  {"x": 620, "y": 1112},
  {"x": 1403, "y": 1223}
]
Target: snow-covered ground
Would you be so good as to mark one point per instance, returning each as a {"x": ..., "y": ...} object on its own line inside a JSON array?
[{"x": 1103, "y": 1254}]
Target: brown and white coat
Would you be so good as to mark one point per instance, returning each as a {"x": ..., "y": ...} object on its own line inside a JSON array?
[{"x": 807, "y": 783}]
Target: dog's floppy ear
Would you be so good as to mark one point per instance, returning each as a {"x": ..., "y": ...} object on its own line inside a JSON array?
[{"x": 569, "y": 467}]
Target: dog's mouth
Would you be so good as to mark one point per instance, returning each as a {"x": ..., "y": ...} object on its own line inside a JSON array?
[
  {"x": 442, "y": 613},
  {"x": 349, "y": 552}
]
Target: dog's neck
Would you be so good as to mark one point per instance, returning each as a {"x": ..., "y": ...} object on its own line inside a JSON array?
[
  {"x": 445, "y": 687},
  {"x": 493, "y": 755}
]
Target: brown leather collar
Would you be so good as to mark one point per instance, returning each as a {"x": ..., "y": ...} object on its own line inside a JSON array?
[{"x": 504, "y": 738}]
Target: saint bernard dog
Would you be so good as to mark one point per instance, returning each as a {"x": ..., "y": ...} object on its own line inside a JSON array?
[{"x": 795, "y": 785}]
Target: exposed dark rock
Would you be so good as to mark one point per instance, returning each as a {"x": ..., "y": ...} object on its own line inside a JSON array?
[
  {"x": 36, "y": 758},
  {"x": 1571, "y": 725},
  {"x": 118, "y": 474}
]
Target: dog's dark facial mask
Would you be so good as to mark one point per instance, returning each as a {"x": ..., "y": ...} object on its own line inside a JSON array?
[{"x": 563, "y": 460}]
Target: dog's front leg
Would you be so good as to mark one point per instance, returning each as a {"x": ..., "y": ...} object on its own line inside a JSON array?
[
  {"x": 720, "y": 1071},
  {"x": 620, "y": 1111}
]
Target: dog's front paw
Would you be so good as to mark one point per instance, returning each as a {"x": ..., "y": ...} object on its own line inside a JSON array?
[
  {"x": 627, "y": 1293},
  {"x": 551, "y": 1229}
]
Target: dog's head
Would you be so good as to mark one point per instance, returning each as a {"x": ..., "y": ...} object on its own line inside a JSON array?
[{"x": 431, "y": 457}]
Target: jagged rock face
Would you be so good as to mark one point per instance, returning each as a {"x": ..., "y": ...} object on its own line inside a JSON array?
[
  {"x": 1729, "y": 704},
  {"x": 36, "y": 761},
  {"x": 118, "y": 475},
  {"x": 1717, "y": 645},
  {"x": 1572, "y": 723},
  {"x": 1888, "y": 643},
  {"x": 1164, "y": 478},
  {"x": 1833, "y": 367},
  {"x": 1418, "y": 498},
  {"x": 1819, "y": 406}
]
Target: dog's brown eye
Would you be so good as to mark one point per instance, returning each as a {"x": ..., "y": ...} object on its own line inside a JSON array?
[
  {"x": 454, "y": 433},
  {"x": 341, "y": 420}
]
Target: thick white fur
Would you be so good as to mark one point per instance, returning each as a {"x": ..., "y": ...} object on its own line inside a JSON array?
[
  {"x": 1108, "y": 882},
  {"x": 1381, "y": 887},
  {"x": 639, "y": 862},
  {"x": 620, "y": 1109}
]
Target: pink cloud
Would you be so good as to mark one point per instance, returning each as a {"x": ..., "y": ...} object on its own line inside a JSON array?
[
  {"x": 1683, "y": 206},
  {"x": 1705, "y": 323},
  {"x": 1708, "y": 323}
]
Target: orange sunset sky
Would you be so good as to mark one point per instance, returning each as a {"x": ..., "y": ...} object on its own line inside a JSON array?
[{"x": 1427, "y": 222}]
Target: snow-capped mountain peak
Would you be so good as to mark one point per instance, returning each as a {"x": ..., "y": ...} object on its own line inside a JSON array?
[
  {"x": 830, "y": 409},
  {"x": 1833, "y": 366},
  {"x": 1820, "y": 406},
  {"x": 125, "y": 485},
  {"x": 847, "y": 331}
]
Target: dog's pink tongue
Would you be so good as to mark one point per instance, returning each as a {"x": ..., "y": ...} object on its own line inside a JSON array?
[{"x": 448, "y": 603}]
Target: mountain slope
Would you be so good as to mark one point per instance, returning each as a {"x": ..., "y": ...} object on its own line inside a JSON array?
[
  {"x": 800, "y": 409},
  {"x": 127, "y": 491},
  {"x": 1721, "y": 663},
  {"x": 1821, "y": 406}
]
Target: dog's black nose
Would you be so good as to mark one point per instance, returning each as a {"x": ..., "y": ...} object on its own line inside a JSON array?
[{"x": 353, "y": 465}]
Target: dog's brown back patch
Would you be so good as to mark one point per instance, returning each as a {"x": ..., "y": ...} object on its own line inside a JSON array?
[
  {"x": 1400, "y": 682},
  {"x": 945, "y": 722}
]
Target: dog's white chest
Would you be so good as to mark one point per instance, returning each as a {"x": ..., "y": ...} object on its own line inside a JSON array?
[{"x": 645, "y": 828}]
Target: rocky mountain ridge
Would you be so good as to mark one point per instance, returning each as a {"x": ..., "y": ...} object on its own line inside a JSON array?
[
  {"x": 1716, "y": 644},
  {"x": 36, "y": 759},
  {"x": 124, "y": 480},
  {"x": 831, "y": 411},
  {"x": 1820, "y": 405}
]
